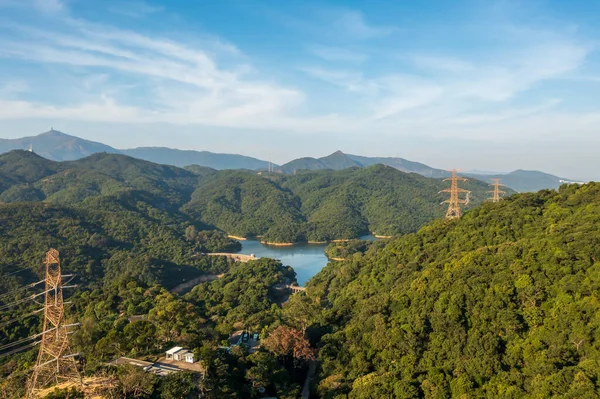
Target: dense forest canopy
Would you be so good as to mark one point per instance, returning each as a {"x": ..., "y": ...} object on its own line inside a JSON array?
[
  {"x": 502, "y": 303},
  {"x": 127, "y": 257},
  {"x": 309, "y": 206},
  {"x": 322, "y": 205}
]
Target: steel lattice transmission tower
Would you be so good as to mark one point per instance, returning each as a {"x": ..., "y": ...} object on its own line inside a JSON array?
[
  {"x": 55, "y": 363},
  {"x": 496, "y": 191},
  {"x": 454, "y": 203}
]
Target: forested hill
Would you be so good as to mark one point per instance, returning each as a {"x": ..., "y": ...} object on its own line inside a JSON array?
[
  {"x": 108, "y": 213},
  {"x": 322, "y": 205},
  {"x": 313, "y": 205},
  {"x": 502, "y": 303},
  {"x": 59, "y": 146}
]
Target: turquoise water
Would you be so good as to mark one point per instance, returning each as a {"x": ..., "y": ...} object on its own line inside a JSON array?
[{"x": 306, "y": 259}]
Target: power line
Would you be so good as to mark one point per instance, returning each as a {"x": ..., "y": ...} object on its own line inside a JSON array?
[
  {"x": 29, "y": 298},
  {"x": 23, "y": 340},
  {"x": 31, "y": 345},
  {"x": 18, "y": 271},
  {"x": 3, "y": 347},
  {"x": 20, "y": 289},
  {"x": 9, "y": 322}
]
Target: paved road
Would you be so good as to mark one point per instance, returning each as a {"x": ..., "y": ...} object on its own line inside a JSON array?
[
  {"x": 312, "y": 367},
  {"x": 188, "y": 285}
]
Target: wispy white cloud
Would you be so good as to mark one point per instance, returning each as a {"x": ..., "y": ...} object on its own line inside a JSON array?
[
  {"x": 330, "y": 53},
  {"x": 448, "y": 86},
  {"x": 211, "y": 82},
  {"x": 484, "y": 118},
  {"x": 348, "y": 80},
  {"x": 14, "y": 87},
  {"x": 43, "y": 6},
  {"x": 353, "y": 23},
  {"x": 50, "y": 6},
  {"x": 135, "y": 9},
  {"x": 214, "y": 94},
  {"x": 441, "y": 63}
]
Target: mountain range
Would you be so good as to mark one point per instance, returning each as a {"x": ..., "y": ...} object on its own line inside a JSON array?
[
  {"x": 316, "y": 205},
  {"x": 58, "y": 146}
]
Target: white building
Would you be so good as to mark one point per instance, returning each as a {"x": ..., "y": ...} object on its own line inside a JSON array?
[{"x": 180, "y": 354}]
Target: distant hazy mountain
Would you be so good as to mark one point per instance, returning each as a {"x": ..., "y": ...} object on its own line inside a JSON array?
[
  {"x": 525, "y": 180},
  {"x": 58, "y": 146},
  {"x": 484, "y": 172},
  {"x": 338, "y": 160},
  {"x": 182, "y": 158},
  {"x": 402, "y": 164}
]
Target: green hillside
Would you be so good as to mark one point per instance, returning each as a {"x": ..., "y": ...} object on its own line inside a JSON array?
[
  {"x": 378, "y": 199},
  {"x": 246, "y": 204},
  {"x": 25, "y": 167},
  {"x": 99, "y": 174},
  {"x": 102, "y": 209},
  {"x": 308, "y": 206},
  {"x": 502, "y": 303},
  {"x": 125, "y": 264},
  {"x": 321, "y": 205}
]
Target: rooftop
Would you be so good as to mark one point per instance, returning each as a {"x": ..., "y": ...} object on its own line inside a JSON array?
[{"x": 174, "y": 350}]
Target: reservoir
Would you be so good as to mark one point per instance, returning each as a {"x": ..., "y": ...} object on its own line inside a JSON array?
[{"x": 306, "y": 259}]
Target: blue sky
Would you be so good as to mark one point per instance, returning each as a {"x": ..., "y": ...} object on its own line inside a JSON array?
[{"x": 493, "y": 85}]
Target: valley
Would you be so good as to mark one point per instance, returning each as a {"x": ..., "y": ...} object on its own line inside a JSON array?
[{"x": 138, "y": 235}]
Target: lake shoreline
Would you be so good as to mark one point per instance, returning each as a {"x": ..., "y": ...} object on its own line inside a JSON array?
[
  {"x": 280, "y": 244},
  {"x": 236, "y": 237},
  {"x": 309, "y": 242}
]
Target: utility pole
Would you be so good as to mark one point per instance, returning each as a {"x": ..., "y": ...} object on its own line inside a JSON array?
[
  {"x": 496, "y": 191},
  {"x": 454, "y": 209},
  {"x": 55, "y": 363}
]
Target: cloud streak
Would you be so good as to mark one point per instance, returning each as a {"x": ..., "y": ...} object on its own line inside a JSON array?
[
  {"x": 353, "y": 23},
  {"x": 50, "y": 6},
  {"x": 126, "y": 76},
  {"x": 330, "y": 53},
  {"x": 135, "y": 9},
  {"x": 215, "y": 94}
]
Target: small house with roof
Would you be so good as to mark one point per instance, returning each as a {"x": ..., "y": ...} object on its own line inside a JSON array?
[{"x": 180, "y": 354}]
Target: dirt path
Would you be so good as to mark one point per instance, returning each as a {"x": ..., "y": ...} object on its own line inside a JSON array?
[{"x": 188, "y": 285}]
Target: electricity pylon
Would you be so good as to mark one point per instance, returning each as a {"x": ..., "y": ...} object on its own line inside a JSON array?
[
  {"x": 55, "y": 363},
  {"x": 496, "y": 191},
  {"x": 454, "y": 209}
]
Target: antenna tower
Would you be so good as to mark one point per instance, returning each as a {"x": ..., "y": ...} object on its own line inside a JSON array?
[
  {"x": 496, "y": 191},
  {"x": 454, "y": 209},
  {"x": 55, "y": 364}
]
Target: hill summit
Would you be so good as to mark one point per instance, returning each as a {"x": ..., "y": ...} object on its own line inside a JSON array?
[{"x": 59, "y": 146}]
